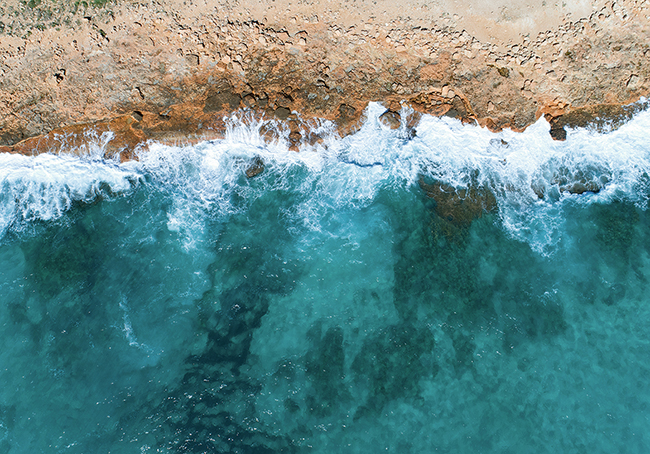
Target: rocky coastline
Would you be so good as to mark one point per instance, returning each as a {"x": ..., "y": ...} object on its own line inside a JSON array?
[{"x": 171, "y": 70}]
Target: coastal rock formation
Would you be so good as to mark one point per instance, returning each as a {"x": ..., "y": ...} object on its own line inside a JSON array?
[{"x": 171, "y": 69}]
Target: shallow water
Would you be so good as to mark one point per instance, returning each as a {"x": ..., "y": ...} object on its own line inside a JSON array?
[{"x": 456, "y": 291}]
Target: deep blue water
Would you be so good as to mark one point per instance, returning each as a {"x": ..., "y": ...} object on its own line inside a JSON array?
[{"x": 459, "y": 292}]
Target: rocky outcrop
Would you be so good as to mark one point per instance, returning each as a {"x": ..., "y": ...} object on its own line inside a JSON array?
[{"x": 171, "y": 70}]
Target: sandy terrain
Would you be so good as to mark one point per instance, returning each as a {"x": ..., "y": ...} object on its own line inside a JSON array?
[{"x": 171, "y": 69}]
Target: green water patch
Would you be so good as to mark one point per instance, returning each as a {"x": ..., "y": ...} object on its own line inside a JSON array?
[
  {"x": 297, "y": 323},
  {"x": 479, "y": 276},
  {"x": 324, "y": 366},
  {"x": 212, "y": 409},
  {"x": 390, "y": 367},
  {"x": 87, "y": 317}
]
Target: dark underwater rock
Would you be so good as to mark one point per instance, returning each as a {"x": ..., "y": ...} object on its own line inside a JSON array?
[
  {"x": 390, "y": 363},
  {"x": 255, "y": 168}
]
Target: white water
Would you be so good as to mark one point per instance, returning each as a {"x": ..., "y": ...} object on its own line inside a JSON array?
[
  {"x": 46, "y": 186},
  {"x": 529, "y": 173}
]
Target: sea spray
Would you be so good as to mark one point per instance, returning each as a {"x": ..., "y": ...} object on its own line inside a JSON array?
[
  {"x": 46, "y": 186},
  {"x": 529, "y": 173}
]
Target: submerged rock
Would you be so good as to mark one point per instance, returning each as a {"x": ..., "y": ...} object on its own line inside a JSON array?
[
  {"x": 459, "y": 207},
  {"x": 391, "y": 364},
  {"x": 255, "y": 168}
]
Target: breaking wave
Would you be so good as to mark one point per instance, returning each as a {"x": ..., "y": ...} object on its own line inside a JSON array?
[{"x": 531, "y": 176}]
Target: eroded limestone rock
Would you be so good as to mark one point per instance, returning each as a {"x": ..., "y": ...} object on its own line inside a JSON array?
[{"x": 183, "y": 68}]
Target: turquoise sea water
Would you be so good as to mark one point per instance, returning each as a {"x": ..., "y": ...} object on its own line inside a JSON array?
[{"x": 455, "y": 291}]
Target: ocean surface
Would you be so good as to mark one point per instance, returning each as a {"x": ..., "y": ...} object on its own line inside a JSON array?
[{"x": 437, "y": 289}]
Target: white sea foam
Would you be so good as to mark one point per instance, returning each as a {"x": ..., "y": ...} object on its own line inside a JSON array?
[
  {"x": 44, "y": 187},
  {"x": 127, "y": 329},
  {"x": 531, "y": 175}
]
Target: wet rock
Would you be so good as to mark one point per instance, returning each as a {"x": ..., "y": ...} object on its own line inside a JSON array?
[
  {"x": 581, "y": 181},
  {"x": 78, "y": 139},
  {"x": 255, "y": 168},
  {"x": 390, "y": 119},
  {"x": 412, "y": 121},
  {"x": 458, "y": 109},
  {"x": 347, "y": 117},
  {"x": 558, "y": 132},
  {"x": 459, "y": 206},
  {"x": 295, "y": 139},
  {"x": 249, "y": 100},
  {"x": 284, "y": 101},
  {"x": 282, "y": 113},
  {"x": 601, "y": 117}
]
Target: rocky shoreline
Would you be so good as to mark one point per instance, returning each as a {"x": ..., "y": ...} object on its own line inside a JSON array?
[{"x": 171, "y": 70}]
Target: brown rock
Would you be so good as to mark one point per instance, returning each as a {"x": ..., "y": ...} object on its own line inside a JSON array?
[
  {"x": 176, "y": 70},
  {"x": 224, "y": 99},
  {"x": 117, "y": 137},
  {"x": 348, "y": 117},
  {"x": 255, "y": 168},
  {"x": 459, "y": 206},
  {"x": 435, "y": 72},
  {"x": 282, "y": 113},
  {"x": 391, "y": 119},
  {"x": 458, "y": 110},
  {"x": 602, "y": 117}
]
